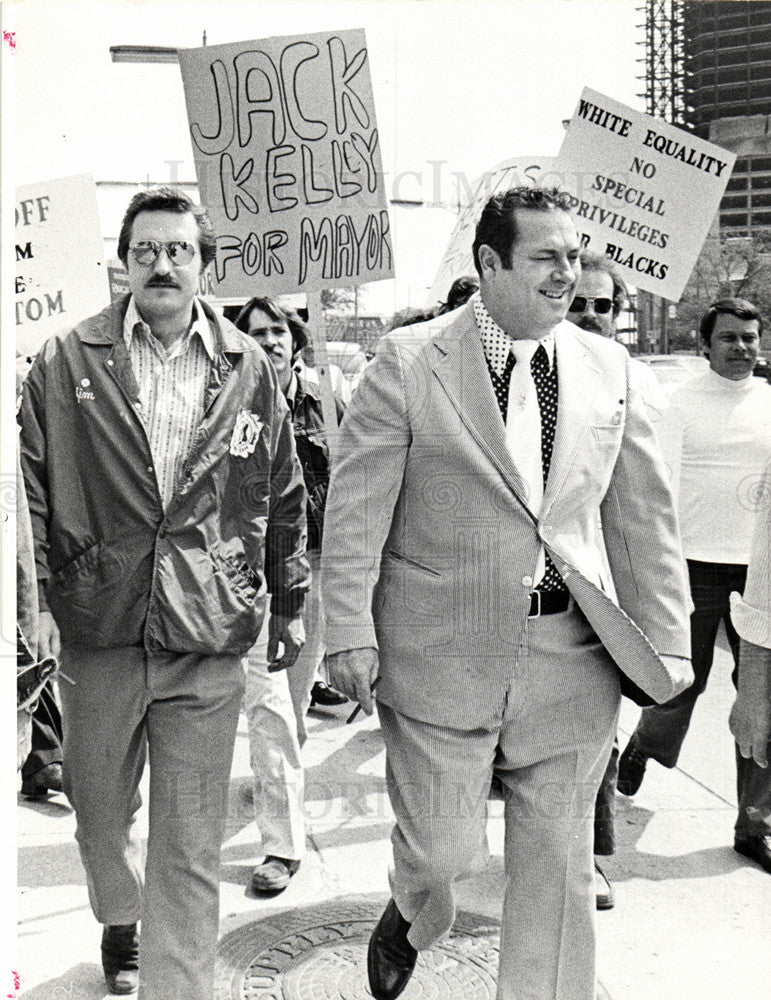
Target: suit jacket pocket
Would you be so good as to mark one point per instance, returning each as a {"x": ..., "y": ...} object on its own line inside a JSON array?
[{"x": 412, "y": 563}]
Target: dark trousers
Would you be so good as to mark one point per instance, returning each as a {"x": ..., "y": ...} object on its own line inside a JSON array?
[
  {"x": 605, "y": 807},
  {"x": 662, "y": 728},
  {"x": 46, "y": 735}
]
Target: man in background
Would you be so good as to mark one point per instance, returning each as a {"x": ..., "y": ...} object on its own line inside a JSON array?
[
  {"x": 276, "y": 703},
  {"x": 719, "y": 430}
]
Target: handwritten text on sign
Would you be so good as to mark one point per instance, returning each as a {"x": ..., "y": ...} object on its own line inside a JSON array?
[
  {"x": 288, "y": 160},
  {"x": 458, "y": 258},
  {"x": 645, "y": 192}
]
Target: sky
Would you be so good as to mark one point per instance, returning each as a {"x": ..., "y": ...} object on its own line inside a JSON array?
[{"x": 458, "y": 87}]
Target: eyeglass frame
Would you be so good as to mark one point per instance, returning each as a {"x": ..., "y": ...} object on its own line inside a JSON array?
[
  {"x": 156, "y": 246},
  {"x": 594, "y": 299}
]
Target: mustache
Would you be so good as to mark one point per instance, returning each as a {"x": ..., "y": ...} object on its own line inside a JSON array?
[
  {"x": 161, "y": 282},
  {"x": 589, "y": 324}
]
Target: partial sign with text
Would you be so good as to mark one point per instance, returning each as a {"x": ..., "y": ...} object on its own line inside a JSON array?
[
  {"x": 645, "y": 192},
  {"x": 287, "y": 154},
  {"x": 458, "y": 259},
  {"x": 61, "y": 277}
]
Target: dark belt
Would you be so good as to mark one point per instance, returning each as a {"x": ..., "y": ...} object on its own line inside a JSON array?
[{"x": 548, "y": 602}]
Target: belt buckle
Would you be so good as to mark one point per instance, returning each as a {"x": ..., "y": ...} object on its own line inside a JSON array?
[{"x": 537, "y": 612}]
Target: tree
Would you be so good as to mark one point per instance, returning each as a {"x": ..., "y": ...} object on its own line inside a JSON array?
[{"x": 728, "y": 266}]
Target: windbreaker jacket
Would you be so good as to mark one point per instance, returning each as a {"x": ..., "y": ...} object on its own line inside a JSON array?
[
  {"x": 310, "y": 439},
  {"x": 112, "y": 566}
]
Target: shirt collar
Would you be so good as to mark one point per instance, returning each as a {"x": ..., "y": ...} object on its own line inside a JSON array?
[
  {"x": 497, "y": 343},
  {"x": 200, "y": 325}
]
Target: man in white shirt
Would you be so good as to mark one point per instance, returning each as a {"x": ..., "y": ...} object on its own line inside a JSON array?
[
  {"x": 500, "y": 542},
  {"x": 720, "y": 423}
]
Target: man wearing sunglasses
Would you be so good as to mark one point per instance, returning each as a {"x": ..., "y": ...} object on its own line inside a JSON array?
[
  {"x": 599, "y": 297},
  {"x": 166, "y": 500}
]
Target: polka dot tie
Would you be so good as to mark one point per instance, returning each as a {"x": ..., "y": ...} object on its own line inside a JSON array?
[{"x": 546, "y": 390}]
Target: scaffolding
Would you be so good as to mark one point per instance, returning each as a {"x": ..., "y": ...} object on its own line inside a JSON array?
[{"x": 663, "y": 60}]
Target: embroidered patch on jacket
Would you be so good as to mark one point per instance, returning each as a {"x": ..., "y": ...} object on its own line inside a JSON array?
[{"x": 245, "y": 434}]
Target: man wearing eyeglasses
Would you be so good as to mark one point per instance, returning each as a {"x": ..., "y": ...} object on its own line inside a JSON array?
[
  {"x": 599, "y": 297},
  {"x": 166, "y": 500}
]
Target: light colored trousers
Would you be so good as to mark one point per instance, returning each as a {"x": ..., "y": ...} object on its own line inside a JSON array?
[
  {"x": 302, "y": 673},
  {"x": 274, "y": 755},
  {"x": 275, "y": 705},
  {"x": 183, "y": 710},
  {"x": 550, "y": 750}
]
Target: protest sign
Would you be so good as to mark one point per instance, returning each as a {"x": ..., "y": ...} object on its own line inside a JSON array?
[
  {"x": 287, "y": 154},
  {"x": 458, "y": 259},
  {"x": 645, "y": 192},
  {"x": 60, "y": 273}
]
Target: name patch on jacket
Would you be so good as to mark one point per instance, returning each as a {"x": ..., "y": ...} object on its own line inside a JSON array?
[{"x": 246, "y": 434}]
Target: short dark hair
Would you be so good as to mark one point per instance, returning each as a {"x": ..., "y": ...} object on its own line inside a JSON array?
[
  {"x": 297, "y": 328},
  {"x": 740, "y": 308},
  {"x": 596, "y": 262},
  {"x": 497, "y": 227},
  {"x": 167, "y": 199},
  {"x": 460, "y": 292}
]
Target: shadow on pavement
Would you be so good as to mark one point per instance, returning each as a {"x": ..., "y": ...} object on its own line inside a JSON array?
[{"x": 82, "y": 982}]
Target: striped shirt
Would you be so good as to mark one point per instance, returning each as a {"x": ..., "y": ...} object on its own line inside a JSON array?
[{"x": 172, "y": 386}]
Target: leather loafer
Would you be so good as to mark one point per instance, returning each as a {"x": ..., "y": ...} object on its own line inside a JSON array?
[
  {"x": 631, "y": 769},
  {"x": 323, "y": 694},
  {"x": 390, "y": 956},
  {"x": 120, "y": 958},
  {"x": 757, "y": 848},
  {"x": 273, "y": 874},
  {"x": 603, "y": 889},
  {"x": 47, "y": 779}
]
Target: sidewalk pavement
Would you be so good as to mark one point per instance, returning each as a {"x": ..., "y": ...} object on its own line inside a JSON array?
[{"x": 691, "y": 918}]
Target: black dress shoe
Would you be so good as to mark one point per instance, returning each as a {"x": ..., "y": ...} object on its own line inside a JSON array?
[
  {"x": 273, "y": 874},
  {"x": 758, "y": 848},
  {"x": 631, "y": 769},
  {"x": 120, "y": 958},
  {"x": 47, "y": 779},
  {"x": 323, "y": 694},
  {"x": 390, "y": 957}
]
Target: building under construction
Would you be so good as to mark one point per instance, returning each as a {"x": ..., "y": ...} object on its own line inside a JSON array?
[{"x": 708, "y": 68}]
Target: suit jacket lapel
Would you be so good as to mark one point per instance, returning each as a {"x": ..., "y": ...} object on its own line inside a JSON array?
[
  {"x": 460, "y": 366},
  {"x": 579, "y": 378}
]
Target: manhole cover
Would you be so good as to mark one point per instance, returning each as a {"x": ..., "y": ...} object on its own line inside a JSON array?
[{"x": 320, "y": 953}]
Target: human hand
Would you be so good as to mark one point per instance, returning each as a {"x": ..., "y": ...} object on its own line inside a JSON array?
[
  {"x": 353, "y": 672},
  {"x": 290, "y": 632},
  {"x": 48, "y": 642}
]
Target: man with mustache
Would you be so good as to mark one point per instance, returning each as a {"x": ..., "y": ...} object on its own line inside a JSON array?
[
  {"x": 166, "y": 500},
  {"x": 719, "y": 430},
  {"x": 499, "y": 545}
]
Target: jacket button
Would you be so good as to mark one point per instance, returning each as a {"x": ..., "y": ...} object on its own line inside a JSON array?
[
  {"x": 527, "y": 581},
  {"x": 110, "y": 362}
]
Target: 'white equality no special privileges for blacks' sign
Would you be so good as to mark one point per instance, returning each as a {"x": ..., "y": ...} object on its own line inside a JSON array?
[
  {"x": 60, "y": 272},
  {"x": 646, "y": 192},
  {"x": 288, "y": 161}
]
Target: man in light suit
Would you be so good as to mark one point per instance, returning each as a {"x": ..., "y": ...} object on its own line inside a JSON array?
[{"x": 500, "y": 544}]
